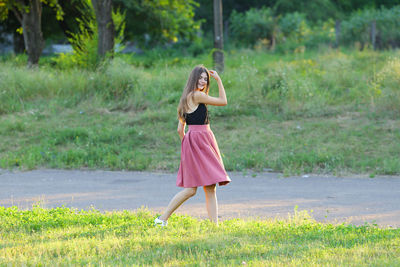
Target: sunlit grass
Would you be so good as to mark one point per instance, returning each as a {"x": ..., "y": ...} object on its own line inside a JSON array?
[{"x": 76, "y": 237}]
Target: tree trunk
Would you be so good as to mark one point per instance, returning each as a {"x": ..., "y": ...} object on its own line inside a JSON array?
[
  {"x": 105, "y": 26},
  {"x": 218, "y": 54},
  {"x": 32, "y": 31}
]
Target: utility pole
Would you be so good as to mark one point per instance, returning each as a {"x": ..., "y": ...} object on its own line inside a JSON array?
[{"x": 218, "y": 54}]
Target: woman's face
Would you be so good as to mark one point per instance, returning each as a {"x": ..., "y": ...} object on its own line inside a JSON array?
[{"x": 202, "y": 82}]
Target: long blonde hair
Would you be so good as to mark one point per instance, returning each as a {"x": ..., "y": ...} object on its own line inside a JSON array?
[{"x": 190, "y": 87}]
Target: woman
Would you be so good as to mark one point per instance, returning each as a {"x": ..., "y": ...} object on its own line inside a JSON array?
[{"x": 201, "y": 163}]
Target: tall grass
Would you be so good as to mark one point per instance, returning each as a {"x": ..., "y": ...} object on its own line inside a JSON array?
[
  {"x": 65, "y": 236},
  {"x": 123, "y": 116},
  {"x": 304, "y": 85},
  {"x": 300, "y": 85}
]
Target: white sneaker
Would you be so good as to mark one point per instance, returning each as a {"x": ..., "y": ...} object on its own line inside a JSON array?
[{"x": 159, "y": 222}]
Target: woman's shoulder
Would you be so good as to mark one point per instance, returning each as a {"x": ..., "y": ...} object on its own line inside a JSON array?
[
  {"x": 196, "y": 95},
  {"x": 191, "y": 98}
]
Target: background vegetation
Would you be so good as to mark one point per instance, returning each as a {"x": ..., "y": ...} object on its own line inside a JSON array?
[
  {"x": 189, "y": 24},
  {"x": 307, "y": 82},
  {"x": 333, "y": 111}
]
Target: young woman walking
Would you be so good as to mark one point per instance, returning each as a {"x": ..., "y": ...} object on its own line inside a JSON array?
[{"x": 201, "y": 163}]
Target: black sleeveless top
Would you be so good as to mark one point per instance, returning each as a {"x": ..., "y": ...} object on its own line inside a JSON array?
[{"x": 197, "y": 117}]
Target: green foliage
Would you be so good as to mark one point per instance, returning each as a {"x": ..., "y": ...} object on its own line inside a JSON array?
[
  {"x": 258, "y": 28},
  {"x": 151, "y": 23},
  {"x": 298, "y": 32},
  {"x": 294, "y": 31},
  {"x": 292, "y": 23},
  {"x": 322, "y": 34},
  {"x": 314, "y": 11},
  {"x": 85, "y": 42},
  {"x": 261, "y": 29},
  {"x": 20, "y": 6},
  {"x": 357, "y": 29},
  {"x": 118, "y": 18},
  {"x": 249, "y": 27}
]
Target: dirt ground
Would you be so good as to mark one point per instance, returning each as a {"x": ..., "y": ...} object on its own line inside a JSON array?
[{"x": 354, "y": 200}]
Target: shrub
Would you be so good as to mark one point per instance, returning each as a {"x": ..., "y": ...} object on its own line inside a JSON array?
[
  {"x": 293, "y": 24},
  {"x": 357, "y": 29},
  {"x": 292, "y": 32},
  {"x": 85, "y": 42},
  {"x": 252, "y": 26}
]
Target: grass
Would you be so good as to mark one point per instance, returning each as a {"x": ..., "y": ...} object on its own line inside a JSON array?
[
  {"x": 64, "y": 236},
  {"x": 323, "y": 112}
]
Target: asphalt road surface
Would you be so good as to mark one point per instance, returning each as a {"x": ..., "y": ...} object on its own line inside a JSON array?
[{"x": 355, "y": 200}]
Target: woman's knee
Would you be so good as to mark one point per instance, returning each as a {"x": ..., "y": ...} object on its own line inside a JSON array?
[
  {"x": 190, "y": 191},
  {"x": 210, "y": 188}
]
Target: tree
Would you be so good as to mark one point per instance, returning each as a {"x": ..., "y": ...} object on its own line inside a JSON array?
[
  {"x": 85, "y": 40},
  {"x": 347, "y": 7},
  {"x": 316, "y": 10},
  {"x": 54, "y": 29},
  {"x": 105, "y": 26},
  {"x": 153, "y": 22},
  {"x": 29, "y": 14}
]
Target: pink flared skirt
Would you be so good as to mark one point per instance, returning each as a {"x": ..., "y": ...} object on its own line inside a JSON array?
[{"x": 201, "y": 162}]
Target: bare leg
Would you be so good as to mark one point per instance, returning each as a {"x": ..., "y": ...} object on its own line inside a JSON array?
[
  {"x": 177, "y": 200},
  {"x": 211, "y": 202}
]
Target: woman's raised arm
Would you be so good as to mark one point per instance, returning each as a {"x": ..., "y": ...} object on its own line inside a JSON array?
[{"x": 201, "y": 97}]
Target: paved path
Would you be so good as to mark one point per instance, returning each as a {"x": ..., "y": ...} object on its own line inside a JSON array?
[{"x": 353, "y": 200}]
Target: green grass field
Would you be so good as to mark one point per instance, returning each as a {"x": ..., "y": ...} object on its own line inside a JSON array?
[
  {"x": 330, "y": 112},
  {"x": 63, "y": 236}
]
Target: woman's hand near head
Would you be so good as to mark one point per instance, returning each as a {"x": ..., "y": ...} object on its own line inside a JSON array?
[
  {"x": 214, "y": 74},
  {"x": 201, "y": 97}
]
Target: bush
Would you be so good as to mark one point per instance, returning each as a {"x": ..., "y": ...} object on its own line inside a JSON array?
[
  {"x": 292, "y": 32},
  {"x": 357, "y": 29},
  {"x": 252, "y": 26},
  {"x": 322, "y": 34},
  {"x": 260, "y": 28},
  {"x": 85, "y": 42},
  {"x": 293, "y": 24}
]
